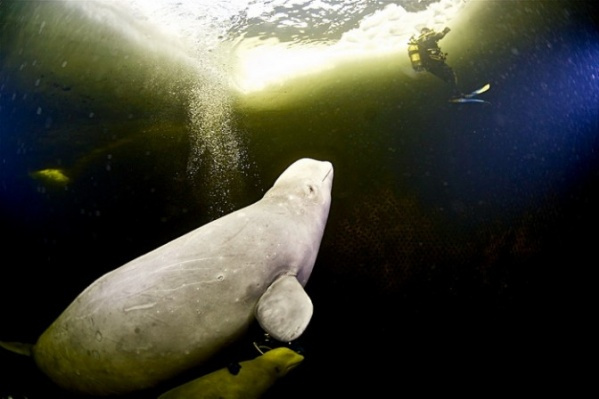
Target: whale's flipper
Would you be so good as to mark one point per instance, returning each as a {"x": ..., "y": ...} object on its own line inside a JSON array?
[
  {"x": 285, "y": 309},
  {"x": 17, "y": 347}
]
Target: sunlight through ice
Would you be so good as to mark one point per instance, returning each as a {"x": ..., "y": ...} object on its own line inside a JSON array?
[
  {"x": 258, "y": 62},
  {"x": 263, "y": 63}
]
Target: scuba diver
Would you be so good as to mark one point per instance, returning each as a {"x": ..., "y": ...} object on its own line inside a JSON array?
[{"x": 426, "y": 55}]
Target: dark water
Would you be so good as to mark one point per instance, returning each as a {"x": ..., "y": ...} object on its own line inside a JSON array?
[{"x": 459, "y": 247}]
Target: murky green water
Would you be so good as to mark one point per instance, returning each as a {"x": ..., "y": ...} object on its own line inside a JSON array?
[{"x": 456, "y": 231}]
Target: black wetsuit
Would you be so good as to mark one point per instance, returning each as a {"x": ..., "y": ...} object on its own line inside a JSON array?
[{"x": 433, "y": 60}]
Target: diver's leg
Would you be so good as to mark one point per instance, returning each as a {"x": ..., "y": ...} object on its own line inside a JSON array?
[{"x": 446, "y": 74}]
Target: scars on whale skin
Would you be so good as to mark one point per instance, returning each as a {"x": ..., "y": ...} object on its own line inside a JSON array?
[{"x": 176, "y": 306}]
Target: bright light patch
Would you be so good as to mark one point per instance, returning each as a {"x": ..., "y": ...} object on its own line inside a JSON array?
[{"x": 271, "y": 63}]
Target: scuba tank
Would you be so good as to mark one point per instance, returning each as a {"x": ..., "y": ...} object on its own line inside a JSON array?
[{"x": 414, "y": 54}]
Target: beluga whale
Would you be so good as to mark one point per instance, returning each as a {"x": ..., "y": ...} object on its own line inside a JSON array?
[{"x": 175, "y": 307}]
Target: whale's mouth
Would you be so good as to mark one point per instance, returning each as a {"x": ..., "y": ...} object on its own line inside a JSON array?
[
  {"x": 293, "y": 365},
  {"x": 327, "y": 174}
]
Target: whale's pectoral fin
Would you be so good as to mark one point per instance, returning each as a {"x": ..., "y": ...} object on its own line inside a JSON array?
[
  {"x": 17, "y": 347},
  {"x": 285, "y": 309}
]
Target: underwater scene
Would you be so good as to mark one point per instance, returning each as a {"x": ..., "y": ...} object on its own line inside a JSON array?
[{"x": 450, "y": 251}]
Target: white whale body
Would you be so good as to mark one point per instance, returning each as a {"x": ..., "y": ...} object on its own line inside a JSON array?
[{"x": 176, "y": 306}]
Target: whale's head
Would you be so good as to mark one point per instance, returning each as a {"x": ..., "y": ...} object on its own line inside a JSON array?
[
  {"x": 303, "y": 191},
  {"x": 280, "y": 361},
  {"x": 305, "y": 188}
]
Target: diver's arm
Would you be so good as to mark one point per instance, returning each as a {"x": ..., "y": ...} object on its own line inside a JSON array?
[
  {"x": 440, "y": 35},
  {"x": 443, "y": 33},
  {"x": 432, "y": 36}
]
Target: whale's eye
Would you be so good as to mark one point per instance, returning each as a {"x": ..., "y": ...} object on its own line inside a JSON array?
[{"x": 310, "y": 190}]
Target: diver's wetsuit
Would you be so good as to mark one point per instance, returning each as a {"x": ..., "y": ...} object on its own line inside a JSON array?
[{"x": 433, "y": 60}]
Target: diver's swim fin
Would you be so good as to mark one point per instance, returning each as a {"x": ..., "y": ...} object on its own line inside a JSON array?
[
  {"x": 468, "y": 98},
  {"x": 478, "y": 91}
]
